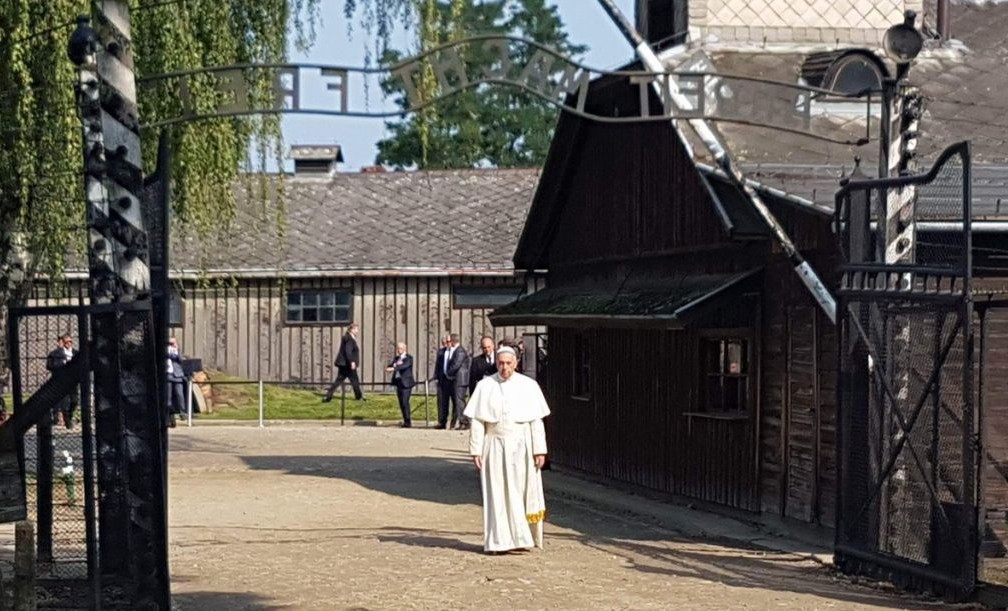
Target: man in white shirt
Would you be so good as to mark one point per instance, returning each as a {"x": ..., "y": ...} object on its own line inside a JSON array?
[{"x": 445, "y": 388}]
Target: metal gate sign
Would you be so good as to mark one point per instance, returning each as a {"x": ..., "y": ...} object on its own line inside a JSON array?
[{"x": 516, "y": 63}]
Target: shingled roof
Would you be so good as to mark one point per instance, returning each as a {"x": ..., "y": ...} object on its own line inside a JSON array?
[
  {"x": 457, "y": 221},
  {"x": 963, "y": 82}
]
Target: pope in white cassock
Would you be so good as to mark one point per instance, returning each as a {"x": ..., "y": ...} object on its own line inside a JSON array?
[{"x": 507, "y": 443}]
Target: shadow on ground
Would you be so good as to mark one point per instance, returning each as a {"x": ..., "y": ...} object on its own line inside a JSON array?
[
  {"x": 450, "y": 481},
  {"x": 222, "y": 601},
  {"x": 642, "y": 545}
]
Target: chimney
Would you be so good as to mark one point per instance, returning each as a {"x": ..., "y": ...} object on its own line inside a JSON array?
[
  {"x": 316, "y": 160},
  {"x": 663, "y": 23},
  {"x": 944, "y": 31}
]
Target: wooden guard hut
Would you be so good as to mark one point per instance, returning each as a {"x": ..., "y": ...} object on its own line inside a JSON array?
[{"x": 684, "y": 354}]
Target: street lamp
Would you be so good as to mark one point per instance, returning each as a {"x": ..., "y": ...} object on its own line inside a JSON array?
[
  {"x": 903, "y": 43},
  {"x": 901, "y": 108}
]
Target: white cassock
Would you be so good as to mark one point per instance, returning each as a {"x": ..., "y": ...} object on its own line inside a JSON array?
[{"x": 507, "y": 431}]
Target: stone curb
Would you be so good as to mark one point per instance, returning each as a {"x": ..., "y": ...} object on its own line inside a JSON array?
[{"x": 683, "y": 519}]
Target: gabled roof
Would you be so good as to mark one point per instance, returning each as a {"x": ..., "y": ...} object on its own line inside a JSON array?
[
  {"x": 453, "y": 221},
  {"x": 729, "y": 204}
]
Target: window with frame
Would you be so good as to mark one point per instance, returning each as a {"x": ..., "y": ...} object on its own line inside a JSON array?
[
  {"x": 480, "y": 296},
  {"x": 581, "y": 369},
  {"x": 176, "y": 309},
  {"x": 319, "y": 307},
  {"x": 725, "y": 362}
]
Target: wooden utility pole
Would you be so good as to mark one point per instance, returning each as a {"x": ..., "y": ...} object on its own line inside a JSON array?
[{"x": 24, "y": 567}]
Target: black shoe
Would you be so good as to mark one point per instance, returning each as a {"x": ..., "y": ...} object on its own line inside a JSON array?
[
  {"x": 171, "y": 422},
  {"x": 406, "y": 425},
  {"x": 440, "y": 427},
  {"x": 326, "y": 399}
]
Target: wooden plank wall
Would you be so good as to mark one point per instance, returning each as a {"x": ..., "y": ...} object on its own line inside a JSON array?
[
  {"x": 634, "y": 428},
  {"x": 626, "y": 194},
  {"x": 240, "y": 329},
  {"x": 798, "y": 409}
]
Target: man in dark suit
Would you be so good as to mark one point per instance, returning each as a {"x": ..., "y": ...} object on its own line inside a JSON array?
[
  {"x": 176, "y": 382},
  {"x": 483, "y": 365},
  {"x": 457, "y": 373},
  {"x": 444, "y": 386},
  {"x": 347, "y": 363},
  {"x": 401, "y": 367},
  {"x": 57, "y": 359}
]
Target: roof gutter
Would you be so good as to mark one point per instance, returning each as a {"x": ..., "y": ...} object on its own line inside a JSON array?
[
  {"x": 341, "y": 273},
  {"x": 780, "y": 194},
  {"x": 272, "y": 274},
  {"x": 667, "y": 89}
]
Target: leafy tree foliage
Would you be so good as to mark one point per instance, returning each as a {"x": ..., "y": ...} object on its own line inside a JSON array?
[
  {"x": 41, "y": 194},
  {"x": 490, "y": 125}
]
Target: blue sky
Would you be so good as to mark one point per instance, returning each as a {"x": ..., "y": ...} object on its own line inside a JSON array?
[{"x": 586, "y": 24}]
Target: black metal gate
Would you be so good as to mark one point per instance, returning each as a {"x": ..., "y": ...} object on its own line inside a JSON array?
[
  {"x": 106, "y": 459},
  {"x": 908, "y": 439}
]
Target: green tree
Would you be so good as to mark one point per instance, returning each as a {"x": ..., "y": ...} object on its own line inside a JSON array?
[
  {"x": 487, "y": 125},
  {"x": 41, "y": 195}
]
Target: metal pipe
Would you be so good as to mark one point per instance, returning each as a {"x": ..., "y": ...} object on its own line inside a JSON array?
[
  {"x": 261, "y": 404},
  {"x": 342, "y": 404},
  {"x": 426, "y": 408},
  {"x": 667, "y": 90},
  {"x": 977, "y": 226},
  {"x": 87, "y": 456},
  {"x": 188, "y": 401},
  {"x": 943, "y": 19}
]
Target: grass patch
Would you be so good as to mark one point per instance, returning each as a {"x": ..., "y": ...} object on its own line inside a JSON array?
[{"x": 241, "y": 402}]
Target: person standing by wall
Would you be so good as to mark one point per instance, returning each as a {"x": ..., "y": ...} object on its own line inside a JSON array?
[
  {"x": 347, "y": 364},
  {"x": 401, "y": 367},
  {"x": 483, "y": 365},
  {"x": 444, "y": 385},
  {"x": 176, "y": 382},
  {"x": 63, "y": 411},
  {"x": 457, "y": 372}
]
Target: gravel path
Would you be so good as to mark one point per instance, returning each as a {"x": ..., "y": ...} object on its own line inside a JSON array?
[{"x": 322, "y": 517}]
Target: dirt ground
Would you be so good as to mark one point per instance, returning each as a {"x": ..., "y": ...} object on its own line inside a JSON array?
[{"x": 323, "y": 517}]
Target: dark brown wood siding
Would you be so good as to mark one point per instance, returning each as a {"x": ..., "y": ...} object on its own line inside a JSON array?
[
  {"x": 626, "y": 196},
  {"x": 635, "y": 427},
  {"x": 798, "y": 425}
]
